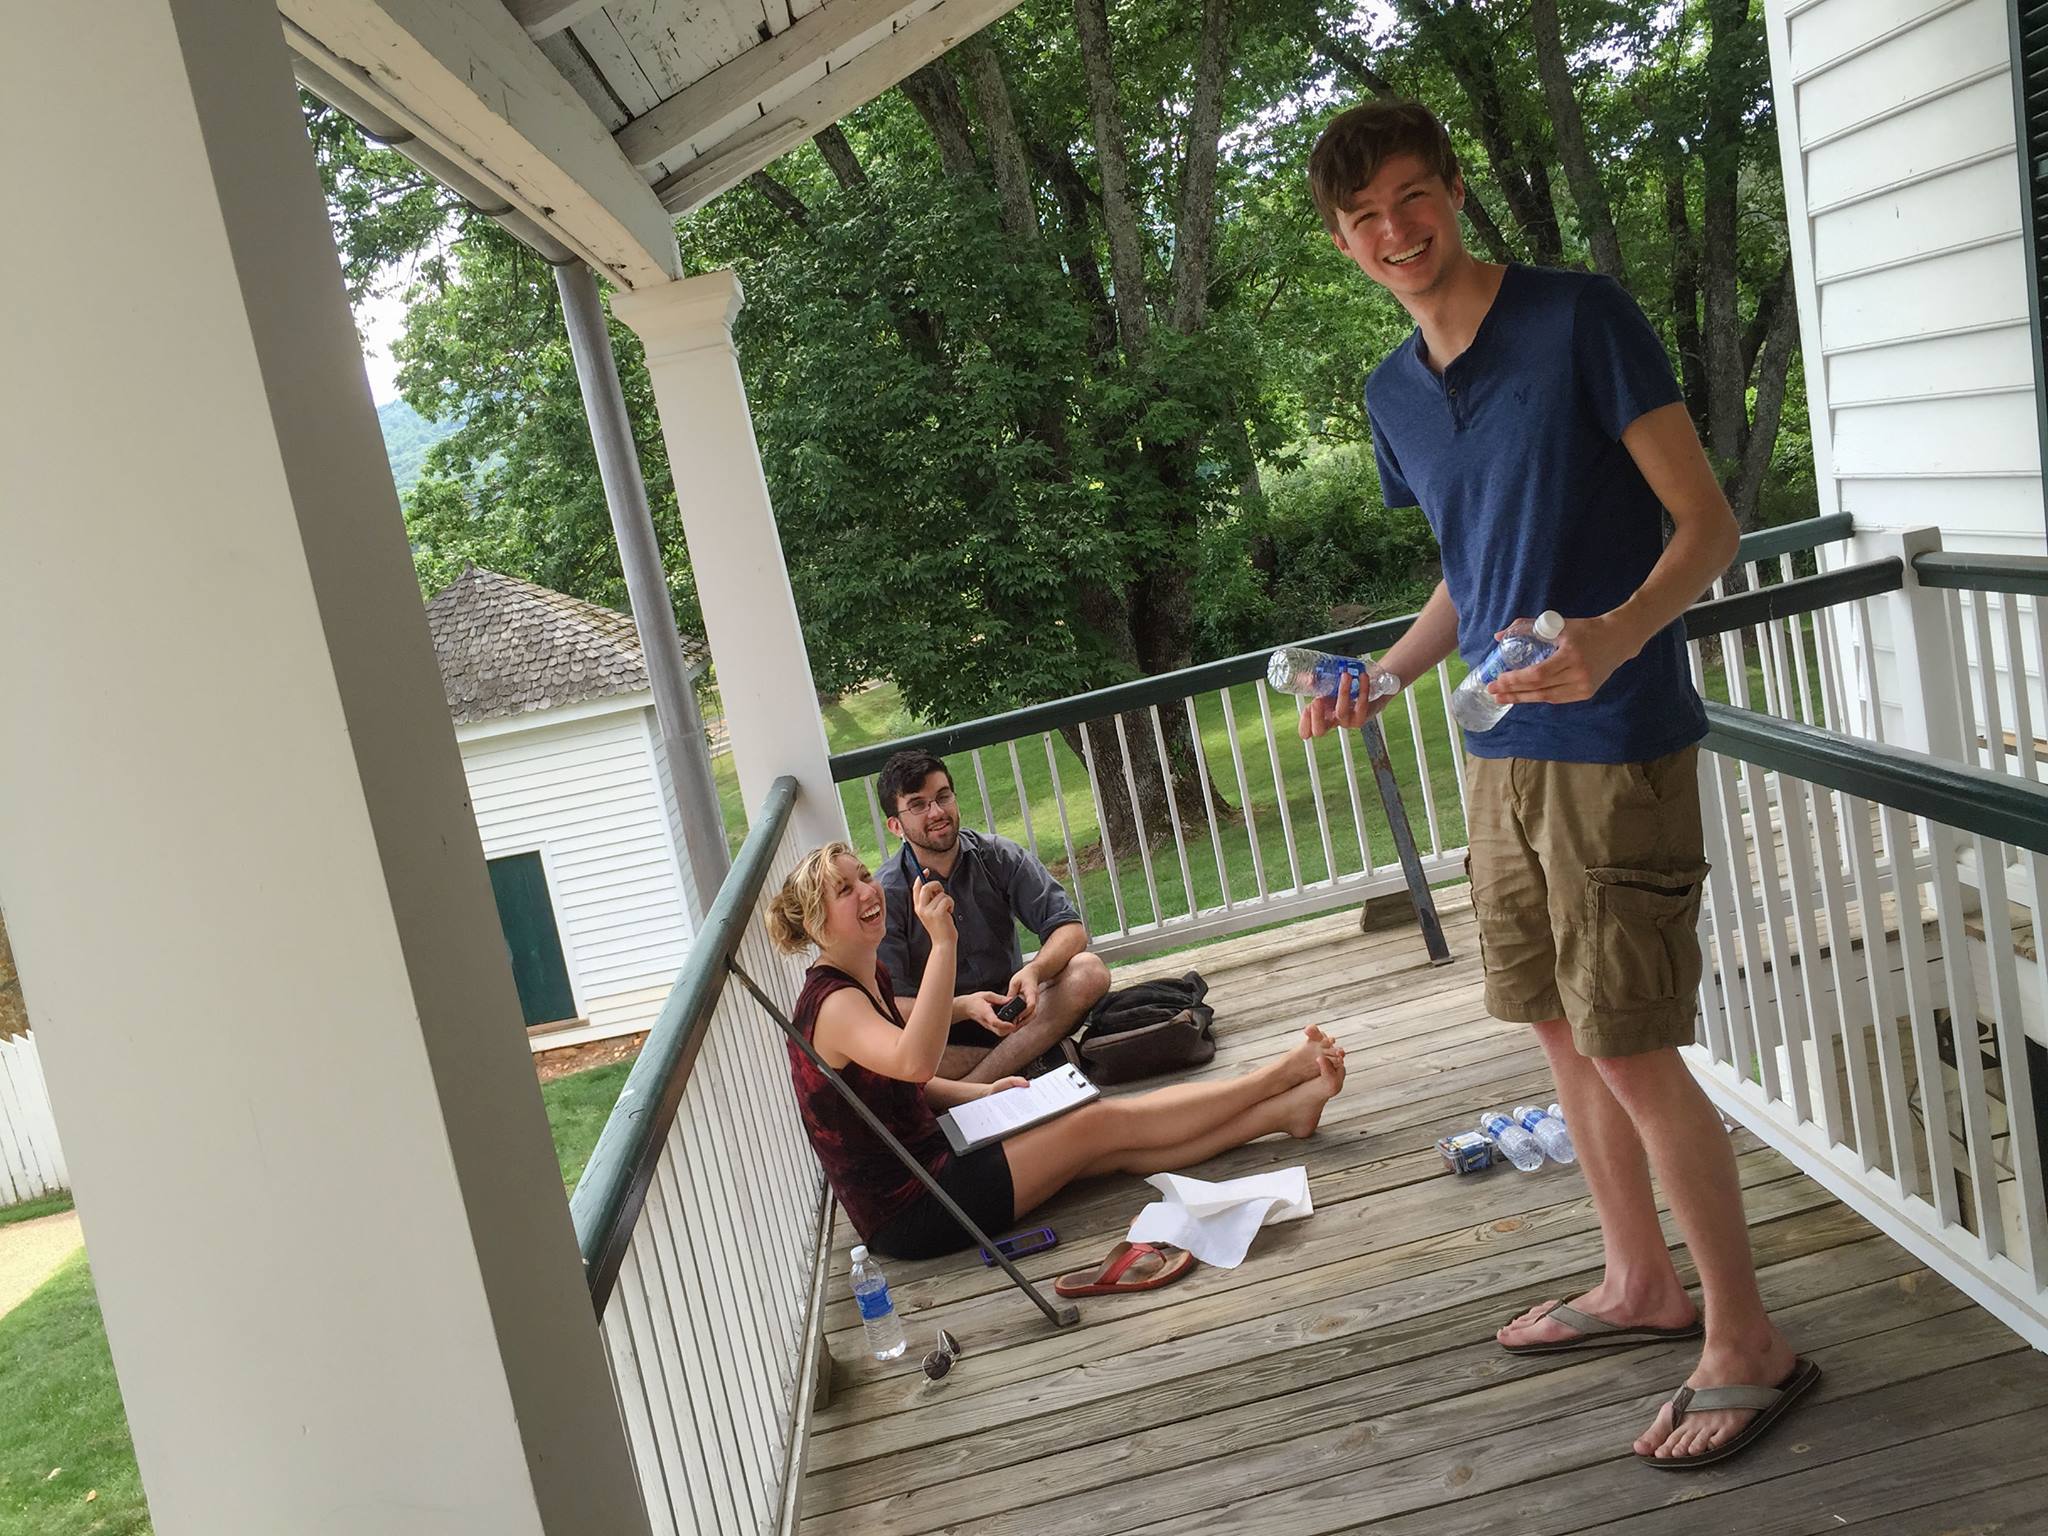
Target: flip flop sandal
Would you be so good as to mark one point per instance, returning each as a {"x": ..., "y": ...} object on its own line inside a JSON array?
[
  {"x": 1598, "y": 1333},
  {"x": 1770, "y": 1403},
  {"x": 1114, "y": 1273}
]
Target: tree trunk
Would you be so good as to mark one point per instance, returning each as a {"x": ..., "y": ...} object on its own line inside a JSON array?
[
  {"x": 1685, "y": 296},
  {"x": 782, "y": 198},
  {"x": 1569, "y": 128},
  {"x": 1118, "y": 821},
  {"x": 999, "y": 127},
  {"x": 1077, "y": 245},
  {"x": 1774, "y": 360},
  {"x": 839, "y": 155},
  {"x": 1466, "y": 45},
  {"x": 1119, "y": 217},
  {"x": 1720, "y": 162},
  {"x": 1194, "y": 234},
  {"x": 936, "y": 95}
]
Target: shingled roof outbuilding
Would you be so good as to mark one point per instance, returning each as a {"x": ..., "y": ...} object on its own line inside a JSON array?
[{"x": 507, "y": 647}]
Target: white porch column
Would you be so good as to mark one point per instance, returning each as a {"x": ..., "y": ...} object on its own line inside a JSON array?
[
  {"x": 764, "y": 671},
  {"x": 241, "y": 876}
]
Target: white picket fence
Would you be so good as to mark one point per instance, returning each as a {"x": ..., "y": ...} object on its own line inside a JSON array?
[{"x": 31, "y": 1161}]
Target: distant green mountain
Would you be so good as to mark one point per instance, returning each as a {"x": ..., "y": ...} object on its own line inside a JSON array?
[{"x": 407, "y": 437}]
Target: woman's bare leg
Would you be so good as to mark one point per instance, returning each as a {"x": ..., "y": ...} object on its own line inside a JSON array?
[{"x": 1171, "y": 1127}]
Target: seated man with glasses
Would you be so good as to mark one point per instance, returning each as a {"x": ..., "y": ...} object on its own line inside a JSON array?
[{"x": 995, "y": 885}]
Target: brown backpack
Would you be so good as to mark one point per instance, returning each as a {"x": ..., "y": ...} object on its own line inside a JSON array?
[{"x": 1145, "y": 1030}]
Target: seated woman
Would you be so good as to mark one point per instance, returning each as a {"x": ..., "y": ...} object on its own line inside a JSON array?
[{"x": 848, "y": 1011}]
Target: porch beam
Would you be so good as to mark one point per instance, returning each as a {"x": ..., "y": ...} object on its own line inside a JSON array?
[
  {"x": 625, "y": 494},
  {"x": 855, "y": 83},
  {"x": 243, "y": 884},
  {"x": 544, "y": 18},
  {"x": 740, "y": 83},
  {"x": 464, "y": 76},
  {"x": 750, "y": 617}
]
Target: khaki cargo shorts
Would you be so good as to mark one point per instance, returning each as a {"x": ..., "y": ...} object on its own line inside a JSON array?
[{"x": 1586, "y": 882}]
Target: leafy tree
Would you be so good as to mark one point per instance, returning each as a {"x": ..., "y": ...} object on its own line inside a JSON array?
[{"x": 1055, "y": 372}]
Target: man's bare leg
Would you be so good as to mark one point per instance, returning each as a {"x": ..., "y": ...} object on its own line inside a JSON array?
[
  {"x": 1689, "y": 1149},
  {"x": 1062, "y": 1003},
  {"x": 1640, "y": 1285}
]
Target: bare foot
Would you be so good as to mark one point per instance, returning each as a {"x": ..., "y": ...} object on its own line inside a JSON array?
[
  {"x": 1762, "y": 1364},
  {"x": 1299, "y": 1064},
  {"x": 1302, "y": 1105},
  {"x": 1664, "y": 1306}
]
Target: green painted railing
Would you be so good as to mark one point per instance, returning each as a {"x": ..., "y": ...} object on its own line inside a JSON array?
[
  {"x": 1960, "y": 795},
  {"x": 610, "y": 1194},
  {"x": 2026, "y": 575}
]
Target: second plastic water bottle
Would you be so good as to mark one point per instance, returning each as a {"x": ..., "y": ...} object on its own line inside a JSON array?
[
  {"x": 1313, "y": 674},
  {"x": 1516, "y": 1144},
  {"x": 1478, "y": 710},
  {"x": 878, "y": 1317},
  {"x": 1549, "y": 1132}
]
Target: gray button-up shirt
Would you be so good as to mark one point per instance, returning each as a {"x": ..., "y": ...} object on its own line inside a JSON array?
[{"x": 995, "y": 885}]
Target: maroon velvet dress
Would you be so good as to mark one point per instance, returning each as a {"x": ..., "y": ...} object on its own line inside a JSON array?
[{"x": 889, "y": 1206}]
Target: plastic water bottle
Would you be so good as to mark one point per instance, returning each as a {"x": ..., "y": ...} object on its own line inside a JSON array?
[
  {"x": 877, "y": 1312},
  {"x": 1516, "y": 1144},
  {"x": 1474, "y": 707},
  {"x": 1311, "y": 674},
  {"x": 1549, "y": 1132}
]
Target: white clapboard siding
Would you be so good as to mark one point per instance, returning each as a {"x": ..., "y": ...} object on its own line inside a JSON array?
[
  {"x": 1898, "y": 135},
  {"x": 31, "y": 1161},
  {"x": 585, "y": 792}
]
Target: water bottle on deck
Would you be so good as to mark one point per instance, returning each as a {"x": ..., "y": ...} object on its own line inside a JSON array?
[
  {"x": 877, "y": 1312},
  {"x": 1475, "y": 708},
  {"x": 1549, "y": 1131},
  {"x": 1516, "y": 1144},
  {"x": 1311, "y": 674}
]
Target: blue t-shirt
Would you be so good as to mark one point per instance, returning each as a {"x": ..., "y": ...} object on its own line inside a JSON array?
[{"x": 1514, "y": 455}]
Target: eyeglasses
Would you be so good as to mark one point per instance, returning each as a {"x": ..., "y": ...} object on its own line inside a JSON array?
[
  {"x": 940, "y": 1360},
  {"x": 944, "y": 800}
]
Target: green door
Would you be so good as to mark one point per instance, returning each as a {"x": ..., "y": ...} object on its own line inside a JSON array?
[{"x": 528, "y": 918}]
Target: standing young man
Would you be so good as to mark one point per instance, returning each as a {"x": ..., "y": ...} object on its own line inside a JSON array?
[
  {"x": 995, "y": 885},
  {"x": 1534, "y": 418}
]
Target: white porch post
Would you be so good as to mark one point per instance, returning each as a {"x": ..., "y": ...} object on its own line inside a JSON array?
[
  {"x": 1924, "y": 656},
  {"x": 764, "y": 671},
  {"x": 241, "y": 876}
]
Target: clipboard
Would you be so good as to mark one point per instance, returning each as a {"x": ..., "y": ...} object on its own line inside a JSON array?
[{"x": 981, "y": 1121}]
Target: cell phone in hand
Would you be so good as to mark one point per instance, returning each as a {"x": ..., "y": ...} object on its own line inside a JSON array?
[
  {"x": 1017, "y": 1244},
  {"x": 1009, "y": 1010}
]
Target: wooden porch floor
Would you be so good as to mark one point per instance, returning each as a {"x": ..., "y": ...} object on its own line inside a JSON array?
[{"x": 1344, "y": 1377}]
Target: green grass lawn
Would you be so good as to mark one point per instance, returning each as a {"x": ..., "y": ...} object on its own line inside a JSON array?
[
  {"x": 63, "y": 1410},
  {"x": 1252, "y": 815},
  {"x": 29, "y": 1210},
  {"x": 63, "y": 1434}
]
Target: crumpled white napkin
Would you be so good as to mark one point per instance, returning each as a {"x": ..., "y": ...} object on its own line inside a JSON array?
[{"x": 1216, "y": 1222}]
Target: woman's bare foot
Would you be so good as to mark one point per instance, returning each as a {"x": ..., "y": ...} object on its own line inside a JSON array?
[
  {"x": 1302, "y": 1105},
  {"x": 1299, "y": 1064}
]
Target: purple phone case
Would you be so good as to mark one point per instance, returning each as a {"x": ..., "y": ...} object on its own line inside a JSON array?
[{"x": 1018, "y": 1244}]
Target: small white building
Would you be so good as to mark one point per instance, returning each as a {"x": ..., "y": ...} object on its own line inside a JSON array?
[{"x": 555, "y": 719}]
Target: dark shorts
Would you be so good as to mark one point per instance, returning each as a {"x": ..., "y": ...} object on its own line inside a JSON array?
[
  {"x": 979, "y": 1181},
  {"x": 967, "y": 1032}
]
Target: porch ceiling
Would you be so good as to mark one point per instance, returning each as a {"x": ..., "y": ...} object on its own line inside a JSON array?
[{"x": 593, "y": 123}]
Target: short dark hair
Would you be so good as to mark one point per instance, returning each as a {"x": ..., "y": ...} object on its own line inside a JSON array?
[
  {"x": 1359, "y": 140},
  {"x": 904, "y": 772}
]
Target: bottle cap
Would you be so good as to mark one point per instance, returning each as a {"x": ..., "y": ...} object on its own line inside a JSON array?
[
  {"x": 859, "y": 1254},
  {"x": 1549, "y": 624}
]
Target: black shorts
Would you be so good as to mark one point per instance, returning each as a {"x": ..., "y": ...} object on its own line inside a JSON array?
[
  {"x": 967, "y": 1032},
  {"x": 979, "y": 1181}
]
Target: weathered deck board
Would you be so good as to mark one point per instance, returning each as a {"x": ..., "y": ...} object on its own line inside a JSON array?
[{"x": 1344, "y": 1378}]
